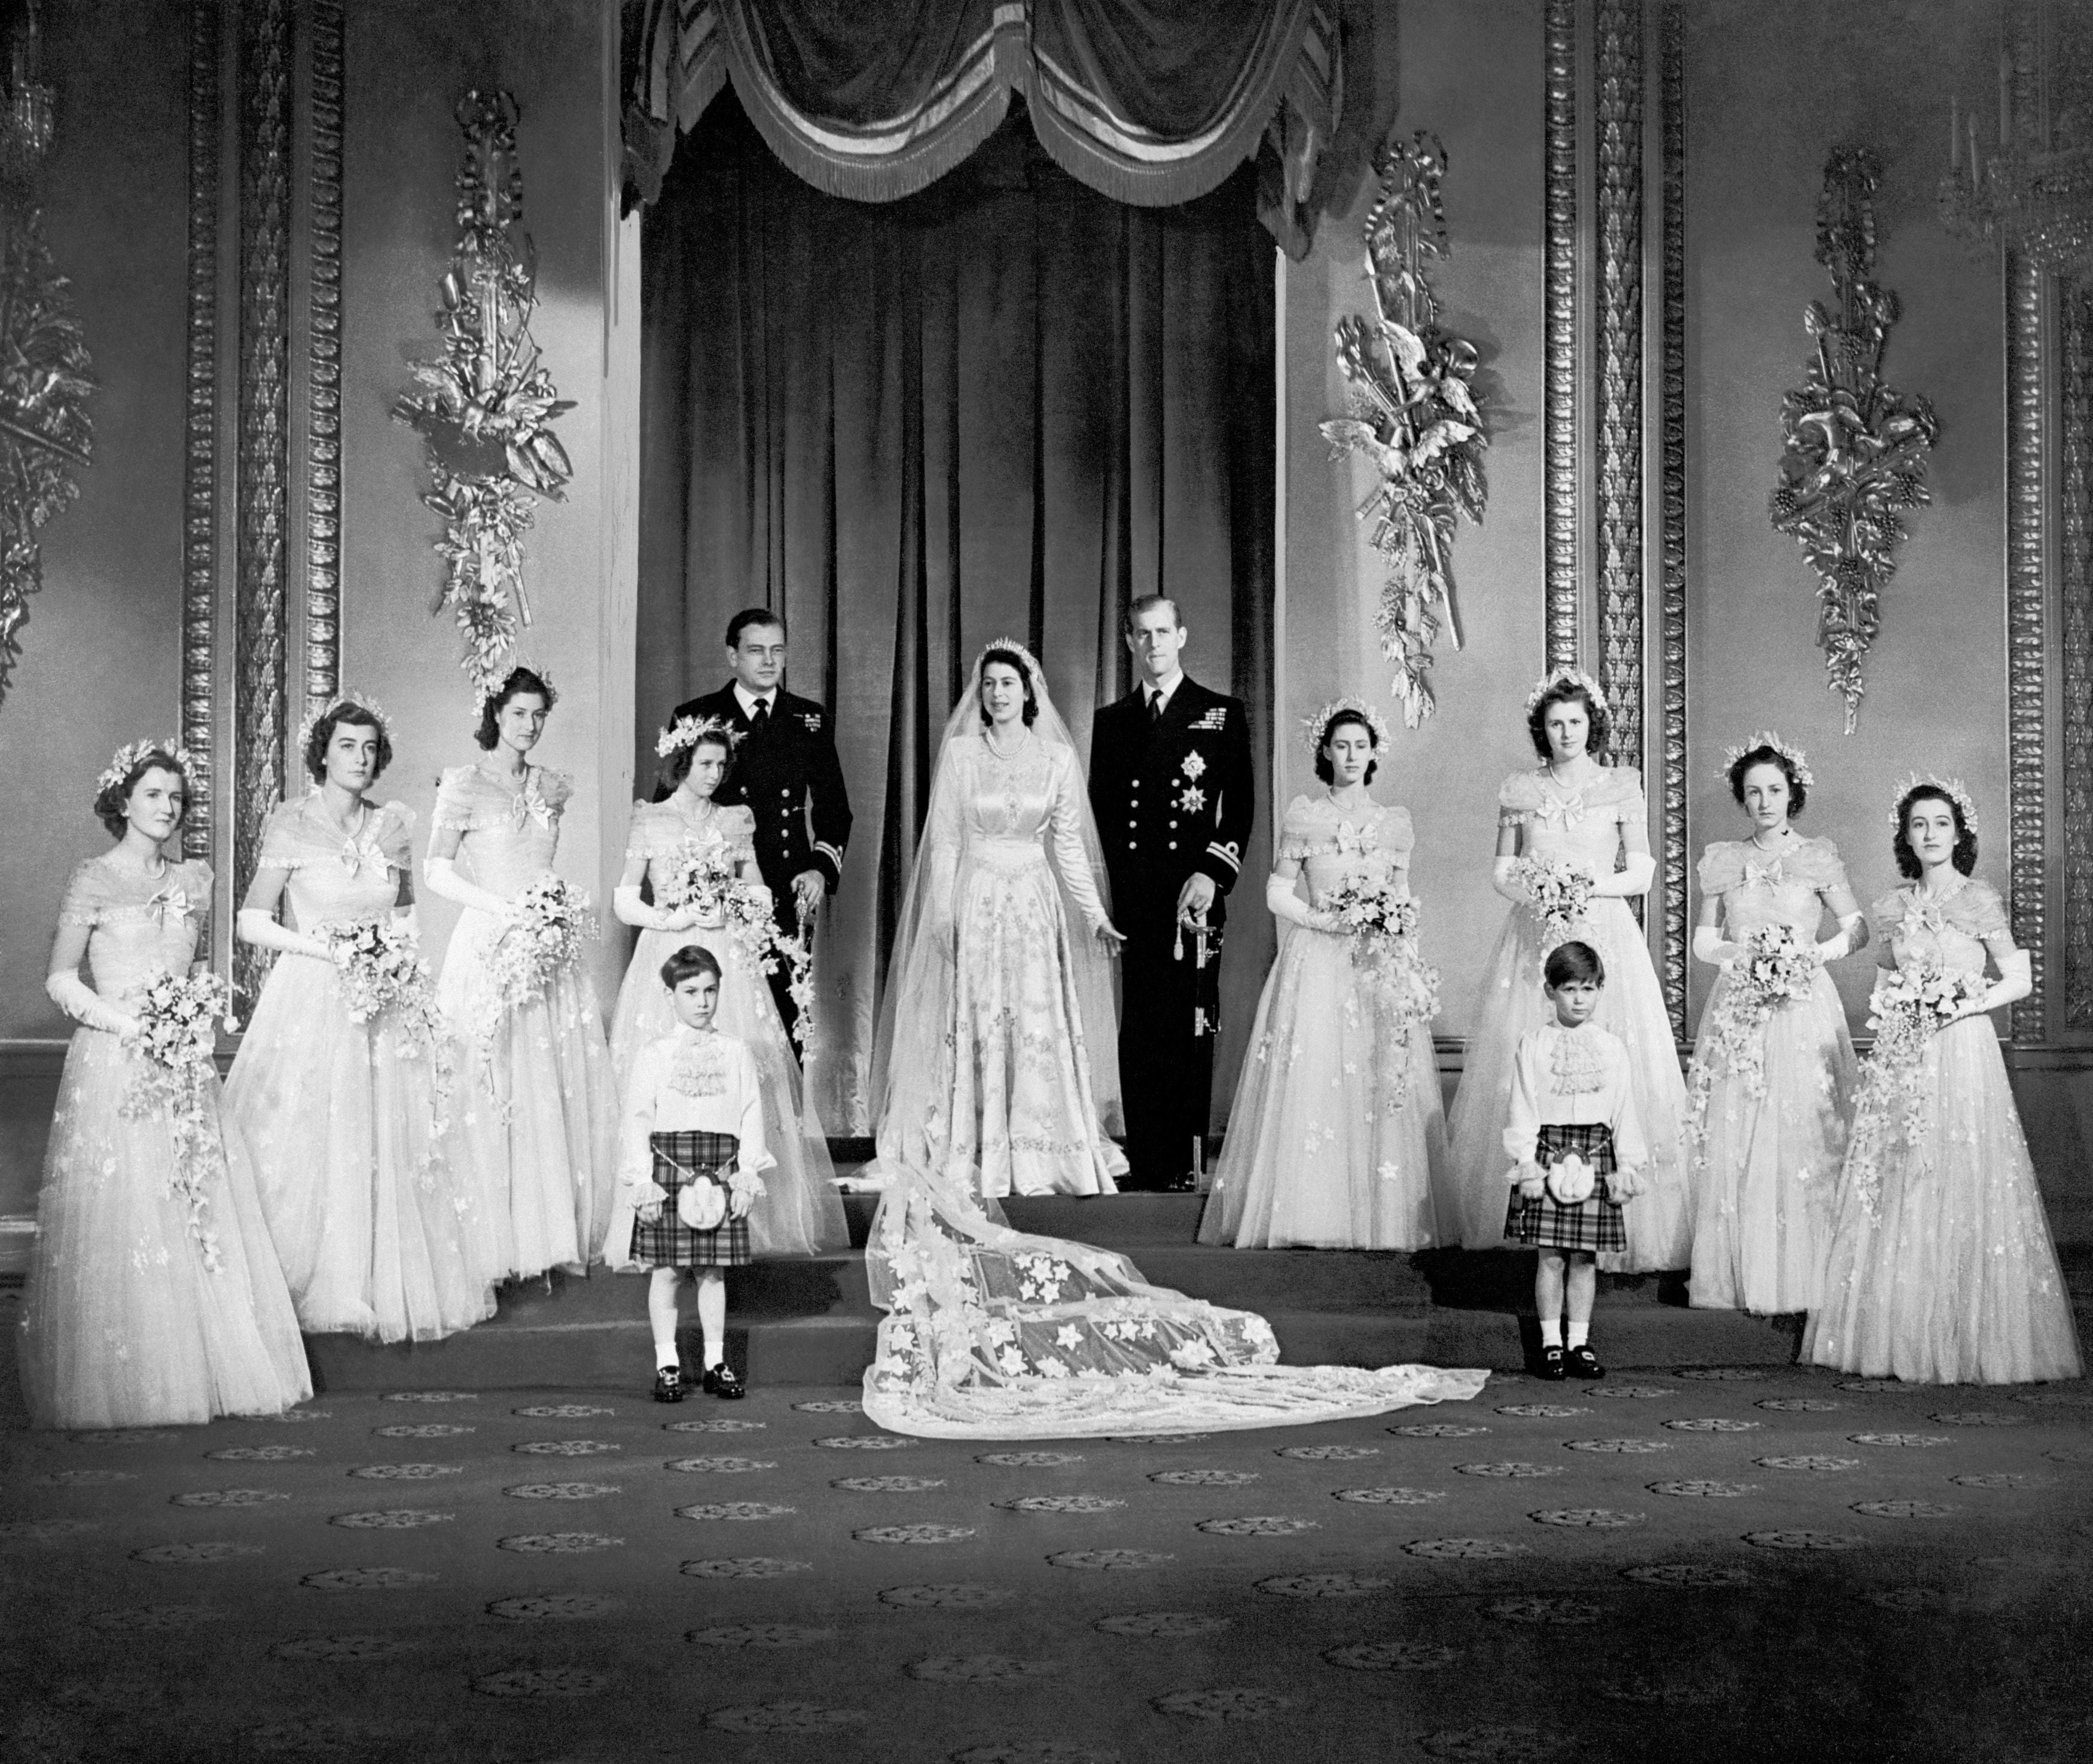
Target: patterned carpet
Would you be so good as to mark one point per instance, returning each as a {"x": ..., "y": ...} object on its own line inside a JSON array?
[{"x": 1744, "y": 1563}]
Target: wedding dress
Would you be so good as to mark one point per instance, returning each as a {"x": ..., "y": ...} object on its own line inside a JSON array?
[{"x": 994, "y": 1333}]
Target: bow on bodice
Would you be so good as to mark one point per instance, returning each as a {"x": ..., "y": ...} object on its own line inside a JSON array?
[
  {"x": 1562, "y": 812},
  {"x": 529, "y": 804},
  {"x": 171, "y": 898},
  {"x": 1355, "y": 841},
  {"x": 1769, "y": 874},
  {"x": 361, "y": 851}
]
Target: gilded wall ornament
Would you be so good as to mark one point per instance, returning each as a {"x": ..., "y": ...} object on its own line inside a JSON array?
[
  {"x": 1412, "y": 413},
  {"x": 1856, "y": 448},
  {"x": 45, "y": 374},
  {"x": 487, "y": 405}
]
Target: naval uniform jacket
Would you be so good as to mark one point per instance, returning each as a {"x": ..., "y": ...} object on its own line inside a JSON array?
[
  {"x": 778, "y": 773},
  {"x": 1171, "y": 799}
]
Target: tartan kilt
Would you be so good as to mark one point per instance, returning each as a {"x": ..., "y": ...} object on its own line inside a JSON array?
[
  {"x": 680, "y": 1159},
  {"x": 1546, "y": 1224}
]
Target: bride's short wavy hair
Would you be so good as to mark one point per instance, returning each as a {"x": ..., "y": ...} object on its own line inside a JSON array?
[{"x": 1010, "y": 658}]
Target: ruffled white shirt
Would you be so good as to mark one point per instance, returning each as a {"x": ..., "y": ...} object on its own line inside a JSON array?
[
  {"x": 693, "y": 1081},
  {"x": 1573, "y": 1077}
]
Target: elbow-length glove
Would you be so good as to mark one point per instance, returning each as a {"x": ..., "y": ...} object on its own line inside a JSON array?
[
  {"x": 1633, "y": 880},
  {"x": 2016, "y": 980},
  {"x": 1501, "y": 880},
  {"x": 441, "y": 874},
  {"x": 261, "y": 930},
  {"x": 1840, "y": 944},
  {"x": 1285, "y": 904},
  {"x": 631, "y": 909},
  {"x": 85, "y": 1006},
  {"x": 1710, "y": 947}
]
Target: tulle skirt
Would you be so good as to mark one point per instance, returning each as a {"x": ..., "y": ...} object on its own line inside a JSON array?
[
  {"x": 542, "y": 1110},
  {"x": 1956, "y": 1280},
  {"x": 1766, "y": 1167},
  {"x": 369, "y": 1190},
  {"x": 1337, "y": 1126},
  {"x": 798, "y": 1213},
  {"x": 1659, "y": 1218},
  {"x": 123, "y": 1323}
]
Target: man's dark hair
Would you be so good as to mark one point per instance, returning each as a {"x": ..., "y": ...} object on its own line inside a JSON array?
[{"x": 753, "y": 615}]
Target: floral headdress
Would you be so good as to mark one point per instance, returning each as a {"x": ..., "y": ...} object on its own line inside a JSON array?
[
  {"x": 1798, "y": 761},
  {"x": 119, "y": 767},
  {"x": 316, "y": 714},
  {"x": 1556, "y": 676},
  {"x": 688, "y": 731},
  {"x": 1953, "y": 788},
  {"x": 1312, "y": 727},
  {"x": 490, "y": 685}
]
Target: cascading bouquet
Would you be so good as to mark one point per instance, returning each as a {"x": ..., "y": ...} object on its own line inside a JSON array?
[
  {"x": 700, "y": 876},
  {"x": 1559, "y": 893},
  {"x": 553, "y": 923},
  {"x": 178, "y": 1019},
  {"x": 1382, "y": 926},
  {"x": 1912, "y": 1005},
  {"x": 1776, "y": 966},
  {"x": 385, "y": 982}
]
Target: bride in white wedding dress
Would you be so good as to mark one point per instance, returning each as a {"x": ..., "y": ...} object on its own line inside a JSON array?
[{"x": 991, "y": 1332}]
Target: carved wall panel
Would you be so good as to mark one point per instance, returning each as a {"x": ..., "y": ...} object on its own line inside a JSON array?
[
  {"x": 1671, "y": 507},
  {"x": 2075, "y": 571},
  {"x": 1618, "y": 438},
  {"x": 200, "y": 461},
  {"x": 1560, "y": 338}
]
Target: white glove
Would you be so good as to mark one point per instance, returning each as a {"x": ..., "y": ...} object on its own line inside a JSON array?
[
  {"x": 442, "y": 875},
  {"x": 260, "y": 929},
  {"x": 1283, "y": 902},
  {"x": 1709, "y": 946},
  {"x": 2016, "y": 981},
  {"x": 1635, "y": 880},
  {"x": 85, "y": 1006},
  {"x": 1501, "y": 879},
  {"x": 625, "y": 902},
  {"x": 1837, "y": 948}
]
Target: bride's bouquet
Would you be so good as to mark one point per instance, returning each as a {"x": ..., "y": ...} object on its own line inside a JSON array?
[
  {"x": 1559, "y": 893},
  {"x": 1382, "y": 926},
  {"x": 700, "y": 876},
  {"x": 553, "y": 922},
  {"x": 1912, "y": 1005},
  {"x": 1776, "y": 966},
  {"x": 377, "y": 965},
  {"x": 178, "y": 1019}
]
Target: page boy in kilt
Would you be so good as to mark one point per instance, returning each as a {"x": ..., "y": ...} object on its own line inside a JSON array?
[
  {"x": 1576, "y": 1145},
  {"x": 1173, "y": 790},
  {"x": 690, "y": 1154},
  {"x": 787, "y": 772}
]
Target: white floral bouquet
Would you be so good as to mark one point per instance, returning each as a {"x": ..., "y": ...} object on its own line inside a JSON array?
[
  {"x": 700, "y": 876},
  {"x": 1775, "y": 966},
  {"x": 1559, "y": 893},
  {"x": 1382, "y": 925},
  {"x": 1912, "y": 1005},
  {"x": 378, "y": 964},
  {"x": 177, "y": 1035},
  {"x": 553, "y": 924}
]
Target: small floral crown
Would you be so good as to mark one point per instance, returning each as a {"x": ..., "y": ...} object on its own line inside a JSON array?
[
  {"x": 491, "y": 686},
  {"x": 1954, "y": 788},
  {"x": 316, "y": 714},
  {"x": 119, "y": 767},
  {"x": 1312, "y": 727},
  {"x": 1798, "y": 761},
  {"x": 1556, "y": 676},
  {"x": 688, "y": 731}
]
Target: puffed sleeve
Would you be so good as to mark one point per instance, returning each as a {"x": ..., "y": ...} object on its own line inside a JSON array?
[
  {"x": 281, "y": 846},
  {"x": 754, "y": 1154},
  {"x": 1888, "y": 912},
  {"x": 1978, "y": 911},
  {"x": 1299, "y": 837},
  {"x": 637, "y": 844},
  {"x": 396, "y": 837},
  {"x": 454, "y": 800},
  {"x": 193, "y": 876},
  {"x": 1630, "y": 808},
  {"x": 1721, "y": 870},
  {"x": 737, "y": 827},
  {"x": 1517, "y": 797},
  {"x": 1523, "y": 1126},
  {"x": 1065, "y": 822},
  {"x": 82, "y": 902},
  {"x": 557, "y": 788}
]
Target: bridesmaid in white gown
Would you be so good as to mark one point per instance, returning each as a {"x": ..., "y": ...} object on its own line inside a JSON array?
[
  {"x": 367, "y": 1186},
  {"x": 997, "y": 1062},
  {"x": 1940, "y": 1268},
  {"x": 1770, "y": 1089},
  {"x": 543, "y": 1118},
  {"x": 800, "y": 1212},
  {"x": 140, "y": 1309},
  {"x": 1591, "y": 817},
  {"x": 1337, "y": 1126}
]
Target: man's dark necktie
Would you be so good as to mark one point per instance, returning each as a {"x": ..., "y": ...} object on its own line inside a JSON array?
[
  {"x": 759, "y": 719},
  {"x": 1156, "y": 707}
]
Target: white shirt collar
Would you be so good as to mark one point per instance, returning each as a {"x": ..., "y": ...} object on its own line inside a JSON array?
[
  {"x": 1150, "y": 691},
  {"x": 749, "y": 700}
]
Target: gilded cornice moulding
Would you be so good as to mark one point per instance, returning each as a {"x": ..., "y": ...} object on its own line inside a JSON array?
[
  {"x": 1412, "y": 412},
  {"x": 1855, "y": 450},
  {"x": 486, "y": 406}
]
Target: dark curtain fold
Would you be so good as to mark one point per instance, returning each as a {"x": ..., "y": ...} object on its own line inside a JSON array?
[{"x": 1004, "y": 406}]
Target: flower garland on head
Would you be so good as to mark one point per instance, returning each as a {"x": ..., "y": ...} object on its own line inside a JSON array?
[
  {"x": 1798, "y": 761},
  {"x": 119, "y": 767},
  {"x": 1565, "y": 676},
  {"x": 1312, "y": 727},
  {"x": 490, "y": 685},
  {"x": 688, "y": 731},
  {"x": 1957, "y": 792},
  {"x": 315, "y": 714}
]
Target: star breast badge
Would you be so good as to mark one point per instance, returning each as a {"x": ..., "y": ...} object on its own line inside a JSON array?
[
  {"x": 1195, "y": 764},
  {"x": 1191, "y": 799}
]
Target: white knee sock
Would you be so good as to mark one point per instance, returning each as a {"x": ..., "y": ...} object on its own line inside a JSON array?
[
  {"x": 1580, "y": 1333},
  {"x": 1551, "y": 1332},
  {"x": 664, "y": 1351}
]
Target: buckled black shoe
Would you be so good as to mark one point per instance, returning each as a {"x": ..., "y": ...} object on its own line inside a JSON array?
[
  {"x": 1581, "y": 1362},
  {"x": 668, "y": 1385},
  {"x": 1550, "y": 1364},
  {"x": 721, "y": 1381}
]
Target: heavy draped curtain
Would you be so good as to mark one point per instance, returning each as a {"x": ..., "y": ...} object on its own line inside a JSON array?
[{"x": 1006, "y": 405}]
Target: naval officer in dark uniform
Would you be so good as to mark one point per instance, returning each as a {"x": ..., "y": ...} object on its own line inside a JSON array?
[
  {"x": 1171, "y": 787},
  {"x": 785, "y": 770}
]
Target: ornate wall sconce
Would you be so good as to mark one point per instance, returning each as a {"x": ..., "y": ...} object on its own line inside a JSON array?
[
  {"x": 1413, "y": 414},
  {"x": 45, "y": 373},
  {"x": 1855, "y": 453},
  {"x": 486, "y": 406}
]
